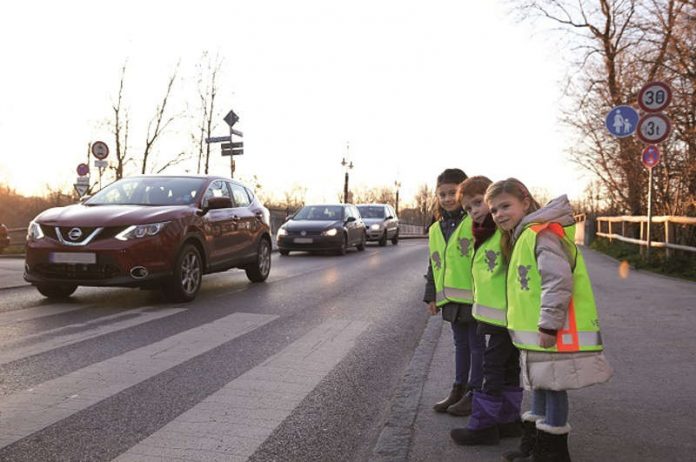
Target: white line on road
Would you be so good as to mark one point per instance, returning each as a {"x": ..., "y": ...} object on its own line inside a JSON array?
[
  {"x": 233, "y": 422},
  {"x": 29, "y": 411},
  {"x": 11, "y": 317},
  {"x": 22, "y": 347}
]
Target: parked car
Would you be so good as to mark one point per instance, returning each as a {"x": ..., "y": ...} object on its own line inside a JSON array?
[
  {"x": 4, "y": 237},
  {"x": 381, "y": 222},
  {"x": 150, "y": 232},
  {"x": 323, "y": 227}
]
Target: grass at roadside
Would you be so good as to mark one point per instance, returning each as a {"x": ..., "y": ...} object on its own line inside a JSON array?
[{"x": 680, "y": 264}]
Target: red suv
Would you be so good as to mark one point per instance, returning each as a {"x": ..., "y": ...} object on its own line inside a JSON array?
[{"x": 151, "y": 232}]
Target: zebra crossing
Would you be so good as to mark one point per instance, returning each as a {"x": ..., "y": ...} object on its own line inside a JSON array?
[{"x": 229, "y": 424}]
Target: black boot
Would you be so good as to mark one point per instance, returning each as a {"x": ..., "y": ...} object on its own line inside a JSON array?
[
  {"x": 551, "y": 444},
  {"x": 528, "y": 441},
  {"x": 455, "y": 395}
]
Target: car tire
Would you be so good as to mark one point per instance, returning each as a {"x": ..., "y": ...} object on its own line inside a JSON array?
[
  {"x": 284, "y": 253},
  {"x": 261, "y": 268},
  {"x": 361, "y": 244},
  {"x": 188, "y": 273},
  {"x": 56, "y": 291},
  {"x": 344, "y": 246},
  {"x": 395, "y": 239},
  {"x": 383, "y": 239}
]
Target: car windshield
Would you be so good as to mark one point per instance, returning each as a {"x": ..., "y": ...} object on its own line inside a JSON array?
[
  {"x": 320, "y": 212},
  {"x": 371, "y": 211},
  {"x": 149, "y": 191}
]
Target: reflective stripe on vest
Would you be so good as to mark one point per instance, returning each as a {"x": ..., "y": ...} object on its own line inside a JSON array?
[
  {"x": 451, "y": 262},
  {"x": 481, "y": 311},
  {"x": 581, "y": 330}
]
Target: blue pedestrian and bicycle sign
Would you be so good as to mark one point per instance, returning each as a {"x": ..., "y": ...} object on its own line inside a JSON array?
[{"x": 622, "y": 121}]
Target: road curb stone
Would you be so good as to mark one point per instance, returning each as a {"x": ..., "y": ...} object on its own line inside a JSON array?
[{"x": 394, "y": 441}]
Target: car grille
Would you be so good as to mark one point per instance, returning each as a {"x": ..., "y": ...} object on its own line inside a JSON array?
[
  {"x": 69, "y": 271},
  {"x": 106, "y": 233},
  {"x": 307, "y": 233}
]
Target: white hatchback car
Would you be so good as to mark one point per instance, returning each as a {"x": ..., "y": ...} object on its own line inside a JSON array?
[{"x": 381, "y": 222}]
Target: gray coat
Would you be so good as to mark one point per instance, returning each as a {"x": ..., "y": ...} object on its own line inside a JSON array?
[{"x": 550, "y": 370}]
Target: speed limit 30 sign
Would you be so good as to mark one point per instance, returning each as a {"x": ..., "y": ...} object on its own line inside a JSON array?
[
  {"x": 653, "y": 128},
  {"x": 654, "y": 96}
]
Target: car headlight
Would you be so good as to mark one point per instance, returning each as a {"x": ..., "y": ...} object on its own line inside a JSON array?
[
  {"x": 34, "y": 232},
  {"x": 282, "y": 232},
  {"x": 330, "y": 232},
  {"x": 376, "y": 227},
  {"x": 140, "y": 231}
]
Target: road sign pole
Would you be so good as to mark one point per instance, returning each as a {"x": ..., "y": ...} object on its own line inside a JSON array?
[
  {"x": 231, "y": 157},
  {"x": 650, "y": 188}
]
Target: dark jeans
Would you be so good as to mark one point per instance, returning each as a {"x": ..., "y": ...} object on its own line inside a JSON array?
[
  {"x": 501, "y": 363},
  {"x": 468, "y": 354}
]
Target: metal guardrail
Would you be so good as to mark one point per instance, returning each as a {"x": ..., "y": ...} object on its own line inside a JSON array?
[
  {"x": 18, "y": 236},
  {"x": 668, "y": 222}
]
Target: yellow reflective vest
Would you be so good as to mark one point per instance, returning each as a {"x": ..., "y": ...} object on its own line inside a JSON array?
[
  {"x": 489, "y": 272},
  {"x": 581, "y": 330},
  {"x": 451, "y": 262}
]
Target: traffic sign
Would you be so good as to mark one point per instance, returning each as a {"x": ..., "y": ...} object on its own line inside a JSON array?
[
  {"x": 101, "y": 164},
  {"x": 81, "y": 189},
  {"x": 231, "y": 118},
  {"x": 100, "y": 150},
  {"x": 651, "y": 156},
  {"x": 654, "y": 128},
  {"x": 82, "y": 180},
  {"x": 654, "y": 96},
  {"x": 237, "y": 144},
  {"x": 236, "y": 132},
  {"x": 82, "y": 169},
  {"x": 218, "y": 139},
  {"x": 621, "y": 121}
]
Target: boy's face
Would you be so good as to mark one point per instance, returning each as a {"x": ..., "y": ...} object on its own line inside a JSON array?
[
  {"x": 476, "y": 207},
  {"x": 447, "y": 196},
  {"x": 508, "y": 210}
]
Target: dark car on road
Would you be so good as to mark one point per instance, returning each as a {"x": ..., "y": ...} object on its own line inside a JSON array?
[
  {"x": 4, "y": 237},
  {"x": 323, "y": 227},
  {"x": 150, "y": 232},
  {"x": 381, "y": 222}
]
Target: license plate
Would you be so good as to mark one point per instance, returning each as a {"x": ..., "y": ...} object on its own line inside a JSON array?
[
  {"x": 85, "y": 258},
  {"x": 303, "y": 240}
]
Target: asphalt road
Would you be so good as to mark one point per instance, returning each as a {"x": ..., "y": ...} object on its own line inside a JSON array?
[{"x": 299, "y": 368}]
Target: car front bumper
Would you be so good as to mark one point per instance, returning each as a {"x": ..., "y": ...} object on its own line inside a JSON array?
[{"x": 317, "y": 242}]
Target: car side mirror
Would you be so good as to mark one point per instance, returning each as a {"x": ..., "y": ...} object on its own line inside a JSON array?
[
  {"x": 350, "y": 219},
  {"x": 389, "y": 218},
  {"x": 215, "y": 203}
]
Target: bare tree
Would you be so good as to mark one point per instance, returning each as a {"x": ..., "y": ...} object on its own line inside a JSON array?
[
  {"x": 119, "y": 128},
  {"x": 157, "y": 126},
  {"x": 377, "y": 194},
  {"x": 208, "y": 71}
]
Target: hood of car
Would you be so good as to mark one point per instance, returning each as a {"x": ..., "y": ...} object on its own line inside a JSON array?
[
  {"x": 311, "y": 225},
  {"x": 373, "y": 221},
  {"x": 111, "y": 215}
]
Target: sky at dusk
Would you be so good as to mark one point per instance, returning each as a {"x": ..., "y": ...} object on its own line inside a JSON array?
[{"x": 415, "y": 87}]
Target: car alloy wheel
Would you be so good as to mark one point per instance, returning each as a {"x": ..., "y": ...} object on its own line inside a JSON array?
[
  {"x": 261, "y": 268},
  {"x": 186, "y": 281}
]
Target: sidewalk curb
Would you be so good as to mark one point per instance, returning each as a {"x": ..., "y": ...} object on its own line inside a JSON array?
[{"x": 394, "y": 441}]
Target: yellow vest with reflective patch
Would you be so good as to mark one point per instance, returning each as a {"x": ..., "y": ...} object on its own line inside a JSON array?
[
  {"x": 581, "y": 330},
  {"x": 451, "y": 262},
  {"x": 489, "y": 273}
]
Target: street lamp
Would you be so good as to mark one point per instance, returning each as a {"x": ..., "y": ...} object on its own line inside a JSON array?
[
  {"x": 347, "y": 166},
  {"x": 397, "y": 184}
]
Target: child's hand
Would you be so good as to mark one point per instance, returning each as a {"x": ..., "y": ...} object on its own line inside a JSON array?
[
  {"x": 546, "y": 340},
  {"x": 432, "y": 308}
]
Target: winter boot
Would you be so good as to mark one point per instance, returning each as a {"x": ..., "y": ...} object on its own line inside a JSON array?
[
  {"x": 462, "y": 408},
  {"x": 482, "y": 428},
  {"x": 509, "y": 423},
  {"x": 454, "y": 396},
  {"x": 551, "y": 444},
  {"x": 528, "y": 441}
]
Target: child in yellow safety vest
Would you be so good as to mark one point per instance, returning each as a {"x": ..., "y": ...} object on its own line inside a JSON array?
[
  {"x": 551, "y": 314},
  {"x": 448, "y": 288},
  {"x": 496, "y": 407}
]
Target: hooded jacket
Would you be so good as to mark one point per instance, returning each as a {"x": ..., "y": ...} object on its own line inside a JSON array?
[{"x": 550, "y": 370}]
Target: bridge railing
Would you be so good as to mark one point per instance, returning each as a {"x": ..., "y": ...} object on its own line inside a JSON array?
[{"x": 662, "y": 226}]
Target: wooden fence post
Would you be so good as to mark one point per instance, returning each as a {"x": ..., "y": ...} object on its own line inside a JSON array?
[{"x": 668, "y": 251}]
